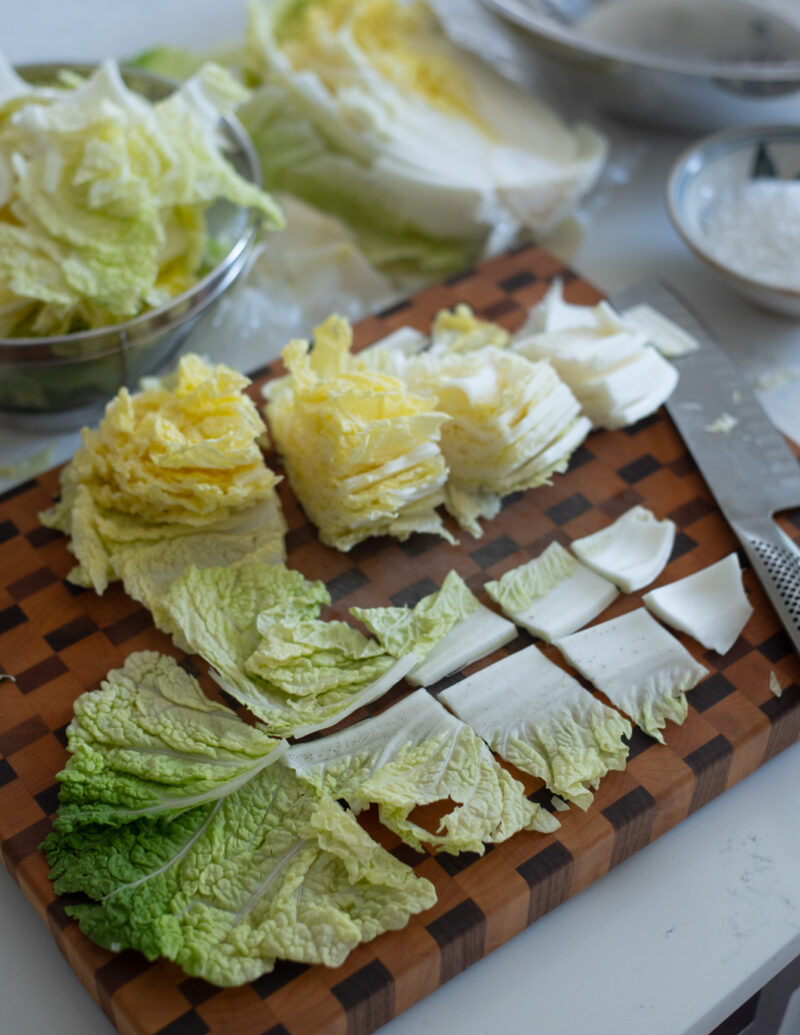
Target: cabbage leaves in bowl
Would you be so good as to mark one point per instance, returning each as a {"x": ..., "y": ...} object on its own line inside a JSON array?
[{"x": 103, "y": 196}]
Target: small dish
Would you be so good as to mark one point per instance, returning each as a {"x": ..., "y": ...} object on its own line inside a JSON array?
[
  {"x": 720, "y": 165},
  {"x": 57, "y": 382}
]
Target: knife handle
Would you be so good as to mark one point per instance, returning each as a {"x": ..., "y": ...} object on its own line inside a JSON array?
[{"x": 776, "y": 561}]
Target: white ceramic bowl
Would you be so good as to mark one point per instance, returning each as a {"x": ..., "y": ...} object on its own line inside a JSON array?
[{"x": 718, "y": 164}]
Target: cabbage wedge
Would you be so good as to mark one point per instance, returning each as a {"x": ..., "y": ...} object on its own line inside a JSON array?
[{"x": 366, "y": 110}]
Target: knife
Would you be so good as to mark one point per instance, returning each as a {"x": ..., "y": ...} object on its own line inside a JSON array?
[{"x": 750, "y": 469}]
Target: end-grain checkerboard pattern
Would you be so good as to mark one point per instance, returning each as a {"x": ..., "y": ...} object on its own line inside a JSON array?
[{"x": 58, "y": 641}]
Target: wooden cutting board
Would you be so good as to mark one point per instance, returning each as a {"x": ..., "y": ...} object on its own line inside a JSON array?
[{"x": 58, "y": 641}]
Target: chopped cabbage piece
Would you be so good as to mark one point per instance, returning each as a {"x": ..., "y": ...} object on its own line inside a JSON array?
[
  {"x": 361, "y": 451},
  {"x": 272, "y": 870},
  {"x": 415, "y": 753},
  {"x": 775, "y": 685},
  {"x": 173, "y": 475},
  {"x": 509, "y": 419},
  {"x": 669, "y": 338},
  {"x": 150, "y": 743},
  {"x": 366, "y": 110},
  {"x": 638, "y": 665},
  {"x": 722, "y": 425},
  {"x": 104, "y": 197},
  {"x": 256, "y": 625},
  {"x": 553, "y": 594},
  {"x": 534, "y": 715},
  {"x": 471, "y": 639},
  {"x": 617, "y": 377},
  {"x": 448, "y": 629},
  {"x": 709, "y": 605},
  {"x": 632, "y": 551}
]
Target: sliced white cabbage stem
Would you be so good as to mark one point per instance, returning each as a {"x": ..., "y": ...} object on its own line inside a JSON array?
[
  {"x": 638, "y": 665},
  {"x": 469, "y": 640},
  {"x": 632, "y": 551},
  {"x": 553, "y": 594},
  {"x": 665, "y": 334},
  {"x": 536, "y": 716},
  {"x": 709, "y": 605}
]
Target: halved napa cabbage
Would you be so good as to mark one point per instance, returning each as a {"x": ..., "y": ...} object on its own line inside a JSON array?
[
  {"x": 448, "y": 630},
  {"x": 172, "y": 476},
  {"x": 534, "y": 715},
  {"x": 513, "y": 424},
  {"x": 553, "y": 594},
  {"x": 709, "y": 605},
  {"x": 195, "y": 847},
  {"x": 616, "y": 375},
  {"x": 632, "y": 551},
  {"x": 103, "y": 197},
  {"x": 638, "y": 665},
  {"x": 258, "y": 626},
  {"x": 367, "y": 111},
  {"x": 361, "y": 450},
  {"x": 413, "y": 754}
]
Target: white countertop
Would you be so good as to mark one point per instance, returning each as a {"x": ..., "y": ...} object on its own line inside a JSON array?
[{"x": 687, "y": 929}]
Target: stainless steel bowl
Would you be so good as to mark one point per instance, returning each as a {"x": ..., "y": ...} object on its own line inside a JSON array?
[
  {"x": 59, "y": 382},
  {"x": 696, "y": 65}
]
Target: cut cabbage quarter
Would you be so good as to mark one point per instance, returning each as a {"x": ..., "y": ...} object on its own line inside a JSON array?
[
  {"x": 534, "y": 715},
  {"x": 361, "y": 450},
  {"x": 709, "y": 605},
  {"x": 513, "y": 424},
  {"x": 448, "y": 629},
  {"x": 413, "y": 754},
  {"x": 632, "y": 551},
  {"x": 553, "y": 594},
  {"x": 638, "y": 665}
]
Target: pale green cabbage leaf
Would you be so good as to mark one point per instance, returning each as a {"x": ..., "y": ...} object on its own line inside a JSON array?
[
  {"x": 413, "y": 754},
  {"x": 257, "y": 626}
]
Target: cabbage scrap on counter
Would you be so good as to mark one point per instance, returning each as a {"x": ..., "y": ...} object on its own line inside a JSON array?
[
  {"x": 366, "y": 110},
  {"x": 416, "y": 753},
  {"x": 193, "y": 845},
  {"x": 103, "y": 196},
  {"x": 361, "y": 450},
  {"x": 172, "y": 476}
]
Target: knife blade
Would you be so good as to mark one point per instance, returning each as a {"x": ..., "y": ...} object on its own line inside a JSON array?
[{"x": 750, "y": 469}]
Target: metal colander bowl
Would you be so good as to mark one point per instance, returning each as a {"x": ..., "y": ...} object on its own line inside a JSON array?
[{"x": 62, "y": 381}]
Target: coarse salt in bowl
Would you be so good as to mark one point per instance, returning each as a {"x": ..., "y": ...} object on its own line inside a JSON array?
[{"x": 734, "y": 198}]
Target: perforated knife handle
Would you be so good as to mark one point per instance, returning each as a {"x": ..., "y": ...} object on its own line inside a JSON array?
[{"x": 776, "y": 561}]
